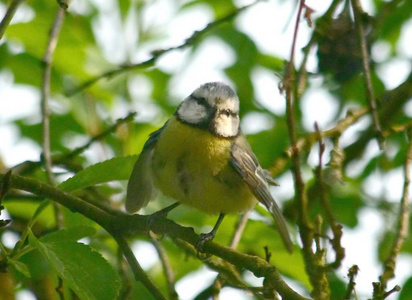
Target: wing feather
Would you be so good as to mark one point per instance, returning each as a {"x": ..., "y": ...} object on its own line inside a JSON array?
[
  {"x": 140, "y": 188},
  {"x": 246, "y": 164}
]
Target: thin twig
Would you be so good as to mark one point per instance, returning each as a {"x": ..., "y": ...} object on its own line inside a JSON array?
[
  {"x": 306, "y": 142},
  {"x": 289, "y": 80},
  {"x": 45, "y": 91},
  {"x": 352, "y": 273},
  {"x": 403, "y": 221},
  {"x": 214, "y": 289},
  {"x": 240, "y": 227},
  {"x": 302, "y": 73},
  {"x": 126, "y": 283},
  {"x": 219, "y": 282},
  {"x": 314, "y": 264},
  {"x": 167, "y": 267},
  {"x": 9, "y": 16},
  {"x": 47, "y": 61},
  {"x": 227, "y": 272},
  {"x": 46, "y": 155},
  {"x": 194, "y": 38},
  {"x": 336, "y": 228},
  {"x": 359, "y": 13},
  {"x": 138, "y": 272},
  {"x": 393, "y": 102},
  {"x": 94, "y": 139},
  {"x": 5, "y": 187},
  {"x": 63, "y": 159}
]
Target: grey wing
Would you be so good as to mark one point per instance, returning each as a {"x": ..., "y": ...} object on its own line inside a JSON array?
[
  {"x": 246, "y": 164},
  {"x": 140, "y": 188}
]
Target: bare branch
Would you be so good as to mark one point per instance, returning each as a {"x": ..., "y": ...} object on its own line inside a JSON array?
[
  {"x": 220, "y": 281},
  {"x": 392, "y": 103},
  {"x": 305, "y": 143},
  {"x": 403, "y": 221},
  {"x": 139, "y": 273},
  {"x": 193, "y": 39},
  {"x": 352, "y": 273},
  {"x": 336, "y": 228},
  {"x": 45, "y": 91},
  {"x": 167, "y": 267},
  {"x": 359, "y": 13},
  {"x": 94, "y": 139},
  {"x": 64, "y": 159},
  {"x": 314, "y": 263},
  {"x": 240, "y": 227},
  {"x": 9, "y": 16}
]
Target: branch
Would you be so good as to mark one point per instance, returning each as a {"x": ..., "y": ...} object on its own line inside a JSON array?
[
  {"x": 302, "y": 73},
  {"x": 193, "y": 39},
  {"x": 221, "y": 280},
  {"x": 336, "y": 228},
  {"x": 305, "y": 143},
  {"x": 139, "y": 273},
  {"x": 314, "y": 262},
  {"x": 94, "y": 139},
  {"x": 318, "y": 280},
  {"x": 392, "y": 103},
  {"x": 5, "y": 187},
  {"x": 240, "y": 227},
  {"x": 9, "y": 16},
  {"x": 403, "y": 221},
  {"x": 28, "y": 166},
  {"x": 352, "y": 273},
  {"x": 359, "y": 13},
  {"x": 227, "y": 272},
  {"x": 167, "y": 267},
  {"x": 121, "y": 224},
  {"x": 45, "y": 91}
]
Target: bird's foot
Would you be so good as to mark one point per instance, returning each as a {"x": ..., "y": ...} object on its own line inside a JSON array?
[{"x": 203, "y": 239}]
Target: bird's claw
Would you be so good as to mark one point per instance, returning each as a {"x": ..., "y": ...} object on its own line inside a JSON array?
[{"x": 203, "y": 239}]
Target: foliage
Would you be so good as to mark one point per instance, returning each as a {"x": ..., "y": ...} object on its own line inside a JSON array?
[{"x": 65, "y": 210}]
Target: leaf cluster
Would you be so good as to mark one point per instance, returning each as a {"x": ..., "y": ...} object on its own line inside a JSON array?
[{"x": 82, "y": 246}]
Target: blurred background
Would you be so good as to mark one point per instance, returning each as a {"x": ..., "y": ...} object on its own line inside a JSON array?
[{"x": 160, "y": 51}]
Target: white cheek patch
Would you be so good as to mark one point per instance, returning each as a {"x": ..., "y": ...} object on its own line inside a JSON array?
[
  {"x": 226, "y": 126},
  {"x": 192, "y": 112}
]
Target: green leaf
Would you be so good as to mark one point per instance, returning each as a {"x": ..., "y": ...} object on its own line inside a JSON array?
[
  {"x": 271, "y": 62},
  {"x": 72, "y": 234},
  {"x": 406, "y": 292},
  {"x": 25, "y": 209},
  {"x": 83, "y": 269},
  {"x": 21, "y": 267},
  {"x": 117, "y": 168}
]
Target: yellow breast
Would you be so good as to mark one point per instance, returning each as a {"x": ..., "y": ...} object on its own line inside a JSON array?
[{"x": 192, "y": 166}]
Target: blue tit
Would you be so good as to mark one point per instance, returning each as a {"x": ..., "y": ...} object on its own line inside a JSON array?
[{"x": 201, "y": 158}]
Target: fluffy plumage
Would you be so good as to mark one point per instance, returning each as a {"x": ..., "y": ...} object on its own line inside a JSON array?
[{"x": 201, "y": 158}]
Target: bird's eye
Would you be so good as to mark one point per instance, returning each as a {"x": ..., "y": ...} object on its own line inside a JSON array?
[
  {"x": 226, "y": 112},
  {"x": 199, "y": 100}
]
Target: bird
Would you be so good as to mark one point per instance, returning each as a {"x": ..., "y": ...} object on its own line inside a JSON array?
[{"x": 201, "y": 158}]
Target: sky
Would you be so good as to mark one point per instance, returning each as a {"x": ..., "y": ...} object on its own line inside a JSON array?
[{"x": 266, "y": 18}]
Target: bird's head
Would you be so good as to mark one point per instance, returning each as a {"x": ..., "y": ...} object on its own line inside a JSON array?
[{"x": 213, "y": 106}]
